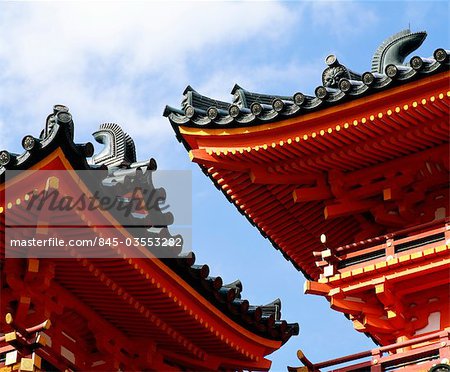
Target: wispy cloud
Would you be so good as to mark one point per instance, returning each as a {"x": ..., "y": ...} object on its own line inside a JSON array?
[
  {"x": 114, "y": 61},
  {"x": 343, "y": 19},
  {"x": 271, "y": 78},
  {"x": 123, "y": 62}
]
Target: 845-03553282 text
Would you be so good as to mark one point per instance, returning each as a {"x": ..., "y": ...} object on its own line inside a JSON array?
[{"x": 98, "y": 242}]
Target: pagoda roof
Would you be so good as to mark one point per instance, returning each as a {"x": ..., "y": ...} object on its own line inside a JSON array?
[
  {"x": 123, "y": 173},
  {"x": 297, "y": 169},
  {"x": 339, "y": 85}
]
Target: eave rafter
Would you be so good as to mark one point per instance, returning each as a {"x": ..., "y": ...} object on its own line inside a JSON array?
[
  {"x": 370, "y": 152},
  {"x": 247, "y": 350},
  {"x": 385, "y": 167},
  {"x": 302, "y": 169},
  {"x": 395, "y": 186},
  {"x": 182, "y": 307}
]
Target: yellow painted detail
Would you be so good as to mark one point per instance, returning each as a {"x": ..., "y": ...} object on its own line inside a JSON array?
[
  {"x": 322, "y": 132},
  {"x": 416, "y": 255},
  {"x": 11, "y": 336},
  {"x": 8, "y": 318},
  {"x": 391, "y": 314},
  {"x": 36, "y": 360},
  {"x": 392, "y": 262},
  {"x": 52, "y": 183},
  {"x": 404, "y": 258},
  {"x": 358, "y": 325},
  {"x": 26, "y": 364},
  {"x": 441, "y": 248},
  {"x": 369, "y": 268},
  {"x": 334, "y": 278},
  {"x": 379, "y": 288},
  {"x": 346, "y": 274}
]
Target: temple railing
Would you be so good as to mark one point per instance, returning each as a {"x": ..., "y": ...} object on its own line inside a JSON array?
[
  {"x": 419, "y": 354},
  {"x": 383, "y": 248}
]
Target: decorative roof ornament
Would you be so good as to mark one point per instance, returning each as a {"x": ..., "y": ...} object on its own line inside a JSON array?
[
  {"x": 396, "y": 48},
  {"x": 333, "y": 74},
  {"x": 129, "y": 182},
  {"x": 119, "y": 147},
  {"x": 339, "y": 84},
  {"x": 59, "y": 117},
  {"x": 57, "y": 133}
]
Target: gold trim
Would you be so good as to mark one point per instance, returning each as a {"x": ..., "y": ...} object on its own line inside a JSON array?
[{"x": 323, "y": 131}]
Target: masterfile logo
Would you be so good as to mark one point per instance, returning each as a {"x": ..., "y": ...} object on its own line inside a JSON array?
[{"x": 96, "y": 214}]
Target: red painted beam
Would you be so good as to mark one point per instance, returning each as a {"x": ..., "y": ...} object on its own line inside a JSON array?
[{"x": 306, "y": 194}]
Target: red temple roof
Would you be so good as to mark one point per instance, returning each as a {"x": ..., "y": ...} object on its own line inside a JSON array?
[
  {"x": 339, "y": 85},
  {"x": 299, "y": 166},
  {"x": 171, "y": 305}
]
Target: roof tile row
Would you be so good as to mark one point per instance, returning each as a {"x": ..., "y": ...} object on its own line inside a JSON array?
[{"x": 339, "y": 84}]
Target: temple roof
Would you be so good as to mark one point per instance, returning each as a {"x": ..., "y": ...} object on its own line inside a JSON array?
[
  {"x": 299, "y": 168},
  {"x": 339, "y": 84},
  {"x": 122, "y": 173}
]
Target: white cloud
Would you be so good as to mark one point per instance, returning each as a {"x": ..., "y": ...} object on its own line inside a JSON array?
[
  {"x": 286, "y": 79},
  {"x": 113, "y": 61},
  {"x": 139, "y": 36},
  {"x": 343, "y": 19},
  {"x": 123, "y": 62}
]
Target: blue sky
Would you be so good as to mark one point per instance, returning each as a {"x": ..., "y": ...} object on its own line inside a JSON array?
[{"x": 123, "y": 62}]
